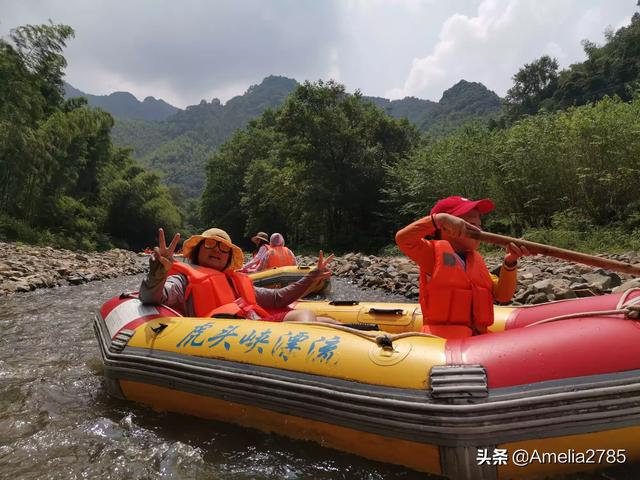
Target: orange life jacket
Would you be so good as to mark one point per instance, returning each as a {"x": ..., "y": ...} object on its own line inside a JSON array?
[
  {"x": 210, "y": 292},
  {"x": 280, "y": 257},
  {"x": 453, "y": 295}
]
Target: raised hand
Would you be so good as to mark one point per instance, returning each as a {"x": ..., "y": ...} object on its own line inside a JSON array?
[
  {"x": 514, "y": 252},
  {"x": 322, "y": 266},
  {"x": 162, "y": 253},
  {"x": 456, "y": 227}
]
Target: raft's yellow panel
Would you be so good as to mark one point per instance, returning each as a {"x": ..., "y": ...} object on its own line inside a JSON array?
[
  {"x": 283, "y": 276},
  {"x": 307, "y": 348},
  {"x": 410, "y": 320},
  {"x": 418, "y": 456},
  {"x": 621, "y": 439},
  {"x": 279, "y": 270}
]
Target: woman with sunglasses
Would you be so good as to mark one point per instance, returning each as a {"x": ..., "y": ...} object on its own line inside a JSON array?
[{"x": 208, "y": 284}]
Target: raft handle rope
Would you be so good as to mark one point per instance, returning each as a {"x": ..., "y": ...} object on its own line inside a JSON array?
[
  {"x": 630, "y": 310},
  {"x": 385, "y": 342}
]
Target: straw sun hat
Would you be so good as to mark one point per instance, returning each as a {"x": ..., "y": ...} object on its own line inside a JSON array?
[
  {"x": 260, "y": 236},
  {"x": 237, "y": 258}
]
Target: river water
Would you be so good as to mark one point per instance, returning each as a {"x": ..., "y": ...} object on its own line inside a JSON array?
[{"x": 57, "y": 421}]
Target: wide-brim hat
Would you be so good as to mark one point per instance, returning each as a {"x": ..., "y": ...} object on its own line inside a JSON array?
[
  {"x": 260, "y": 236},
  {"x": 237, "y": 257},
  {"x": 458, "y": 206}
]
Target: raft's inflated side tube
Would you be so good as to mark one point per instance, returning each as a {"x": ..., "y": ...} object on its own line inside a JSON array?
[
  {"x": 127, "y": 312},
  {"x": 279, "y": 277},
  {"x": 526, "y": 315}
]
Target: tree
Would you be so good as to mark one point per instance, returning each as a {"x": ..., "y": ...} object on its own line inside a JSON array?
[
  {"x": 39, "y": 48},
  {"x": 533, "y": 84},
  {"x": 313, "y": 169},
  {"x": 61, "y": 179}
]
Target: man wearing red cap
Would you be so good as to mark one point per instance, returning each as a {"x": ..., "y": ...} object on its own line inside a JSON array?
[{"x": 456, "y": 289}]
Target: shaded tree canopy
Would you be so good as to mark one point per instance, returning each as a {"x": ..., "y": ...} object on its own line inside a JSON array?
[
  {"x": 61, "y": 179},
  {"x": 313, "y": 170}
]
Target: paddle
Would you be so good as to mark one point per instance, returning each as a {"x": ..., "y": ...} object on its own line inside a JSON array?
[{"x": 550, "y": 251}]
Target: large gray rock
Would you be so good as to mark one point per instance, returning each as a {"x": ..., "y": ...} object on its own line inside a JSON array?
[
  {"x": 628, "y": 285},
  {"x": 598, "y": 281}
]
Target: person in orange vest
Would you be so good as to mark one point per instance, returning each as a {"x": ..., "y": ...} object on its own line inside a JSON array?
[
  {"x": 456, "y": 289},
  {"x": 260, "y": 240},
  {"x": 273, "y": 255},
  {"x": 278, "y": 255},
  {"x": 208, "y": 283}
]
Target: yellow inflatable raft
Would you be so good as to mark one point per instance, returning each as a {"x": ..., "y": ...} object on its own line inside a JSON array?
[
  {"x": 279, "y": 277},
  {"x": 560, "y": 380}
]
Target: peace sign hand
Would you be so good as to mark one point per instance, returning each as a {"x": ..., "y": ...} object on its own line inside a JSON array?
[
  {"x": 322, "y": 269},
  {"x": 162, "y": 256}
]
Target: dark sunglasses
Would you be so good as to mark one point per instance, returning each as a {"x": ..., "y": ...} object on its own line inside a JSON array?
[{"x": 213, "y": 243}]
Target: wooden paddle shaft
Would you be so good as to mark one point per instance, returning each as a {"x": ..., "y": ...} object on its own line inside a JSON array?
[{"x": 550, "y": 251}]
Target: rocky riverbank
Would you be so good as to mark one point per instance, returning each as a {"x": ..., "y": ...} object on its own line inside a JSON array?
[
  {"x": 540, "y": 279},
  {"x": 26, "y": 267}
]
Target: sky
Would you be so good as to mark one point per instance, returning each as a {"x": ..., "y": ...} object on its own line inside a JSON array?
[{"x": 188, "y": 50}]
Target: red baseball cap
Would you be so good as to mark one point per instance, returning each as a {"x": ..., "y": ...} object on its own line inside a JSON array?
[{"x": 458, "y": 206}]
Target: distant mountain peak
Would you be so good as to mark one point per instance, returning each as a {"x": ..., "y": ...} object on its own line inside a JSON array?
[
  {"x": 183, "y": 142},
  {"x": 126, "y": 105},
  {"x": 120, "y": 94},
  {"x": 463, "y": 88}
]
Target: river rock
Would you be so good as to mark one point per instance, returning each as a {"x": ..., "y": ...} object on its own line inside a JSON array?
[
  {"x": 26, "y": 267},
  {"x": 598, "y": 281},
  {"x": 628, "y": 285},
  {"x": 540, "y": 279}
]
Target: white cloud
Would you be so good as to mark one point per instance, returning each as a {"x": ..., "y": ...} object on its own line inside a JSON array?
[
  {"x": 491, "y": 46},
  {"x": 190, "y": 48},
  {"x": 194, "y": 49}
]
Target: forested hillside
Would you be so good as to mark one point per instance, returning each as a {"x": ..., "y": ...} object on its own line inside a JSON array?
[
  {"x": 463, "y": 102},
  {"x": 330, "y": 168},
  {"x": 179, "y": 146},
  {"x": 320, "y": 165},
  {"x": 610, "y": 69},
  {"x": 312, "y": 169},
  {"x": 62, "y": 182}
]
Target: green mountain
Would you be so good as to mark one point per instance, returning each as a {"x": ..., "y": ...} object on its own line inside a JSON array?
[
  {"x": 459, "y": 104},
  {"x": 125, "y": 105},
  {"x": 412, "y": 108},
  {"x": 179, "y": 145}
]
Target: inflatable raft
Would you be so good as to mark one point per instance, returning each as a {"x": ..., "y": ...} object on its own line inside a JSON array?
[
  {"x": 279, "y": 277},
  {"x": 559, "y": 379}
]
